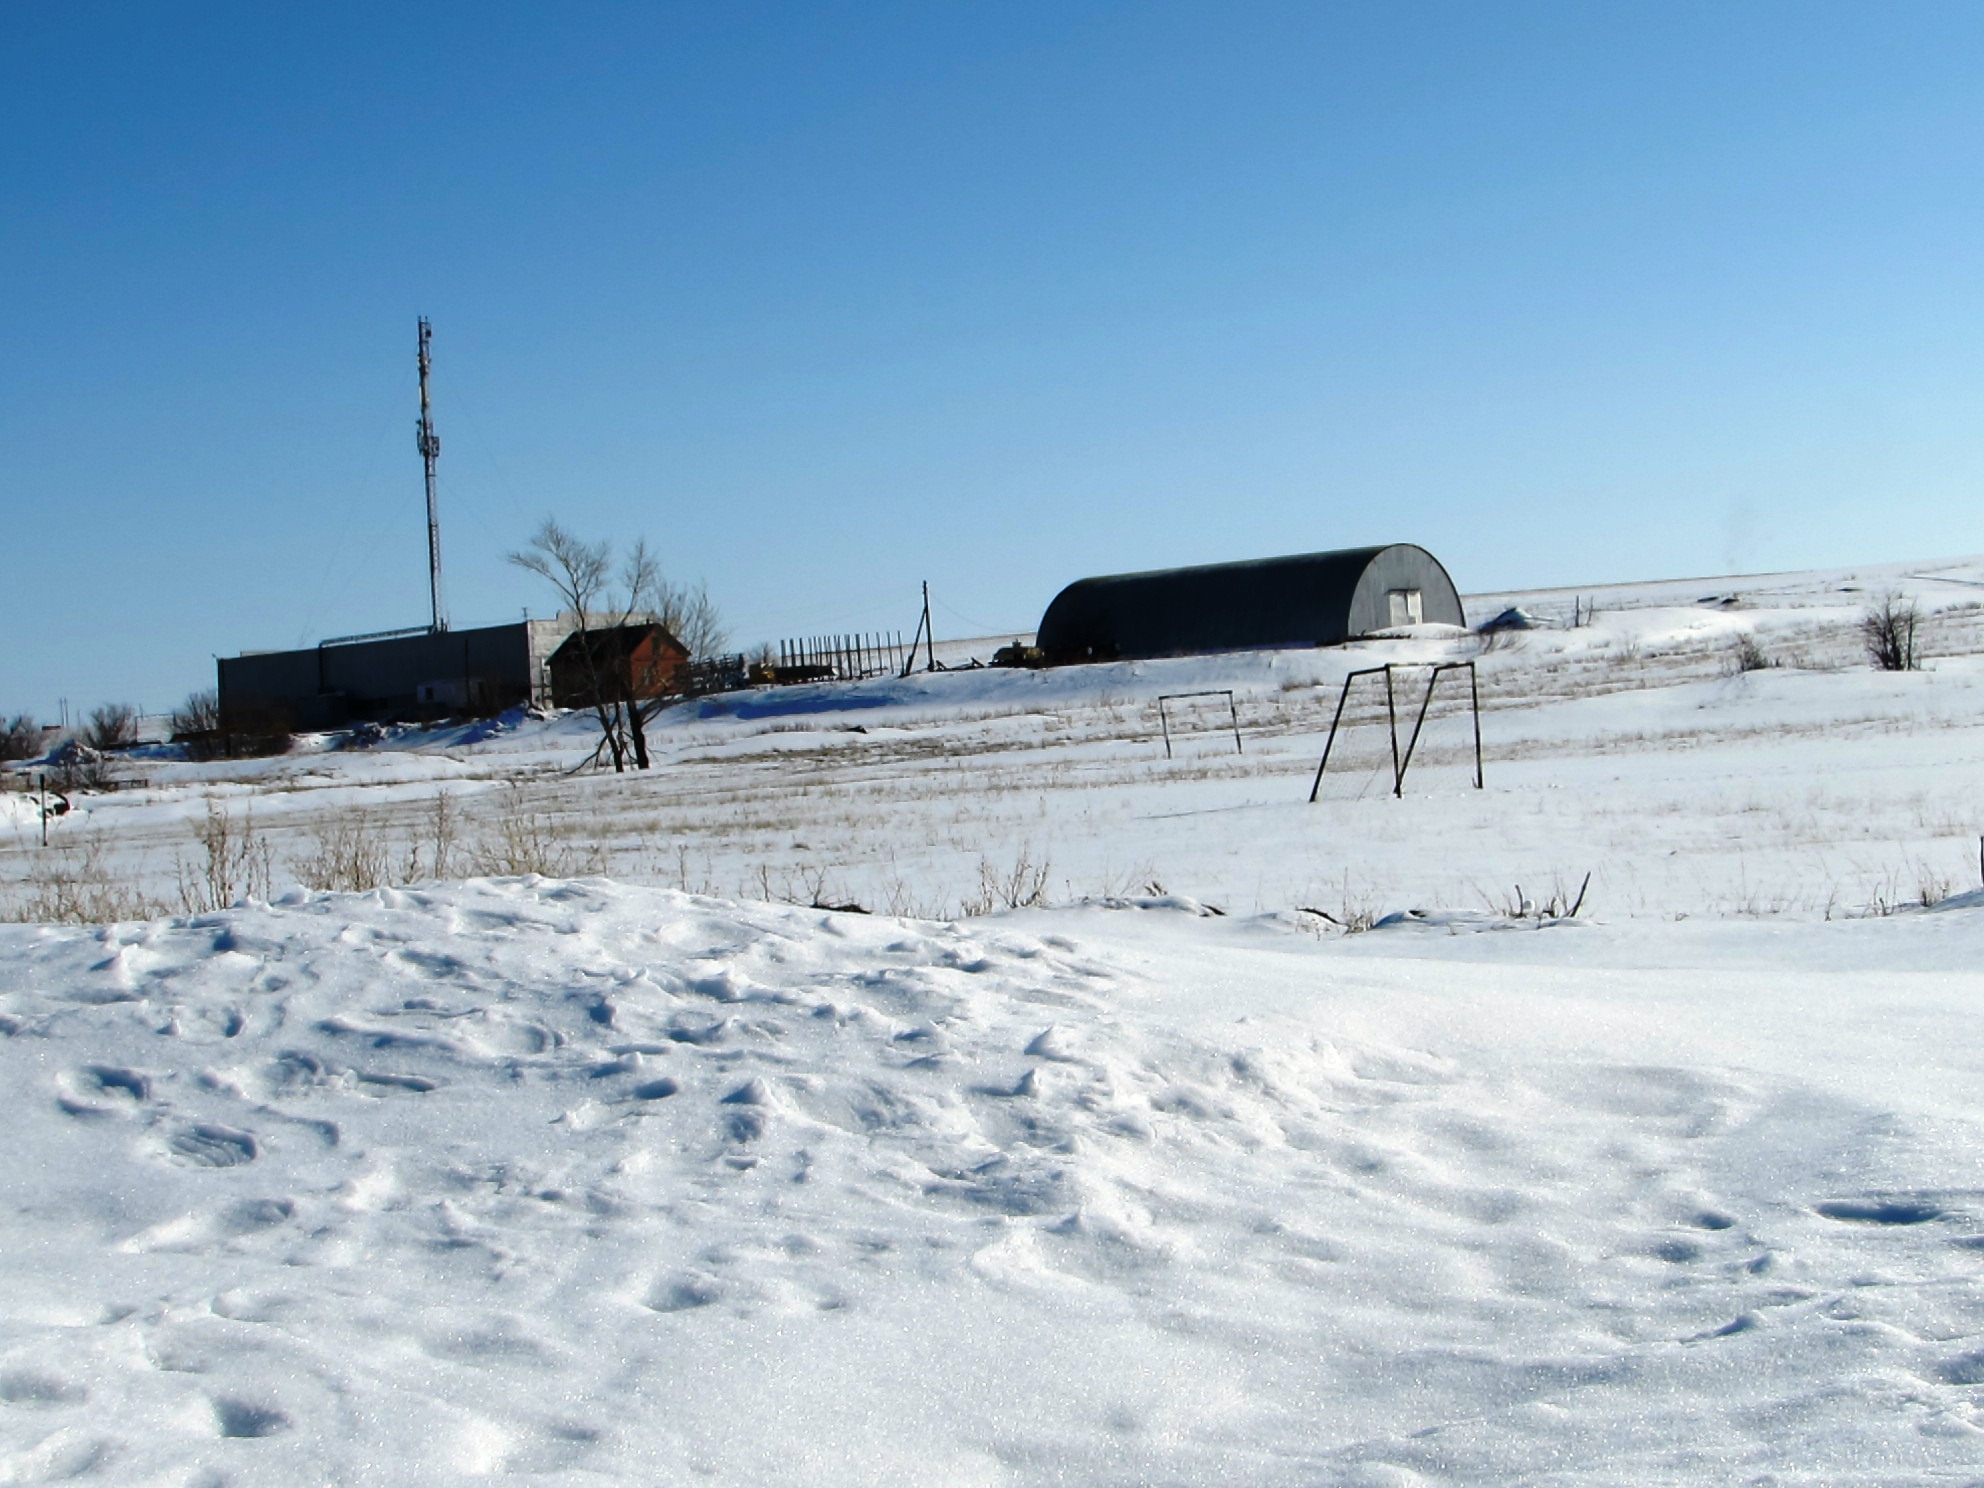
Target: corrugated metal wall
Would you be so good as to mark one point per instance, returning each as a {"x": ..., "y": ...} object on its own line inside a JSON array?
[{"x": 488, "y": 668}]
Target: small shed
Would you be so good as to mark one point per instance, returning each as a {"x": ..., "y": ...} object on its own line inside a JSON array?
[
  {"x": 622, "y": 662},
  {"x": 1306, "y": 599}
]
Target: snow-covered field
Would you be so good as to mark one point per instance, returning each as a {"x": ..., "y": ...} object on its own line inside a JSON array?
[{"x": 634, "y": 1173}]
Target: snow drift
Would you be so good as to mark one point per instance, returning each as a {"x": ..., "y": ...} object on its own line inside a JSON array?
[{"x": 583, "y": 1183}]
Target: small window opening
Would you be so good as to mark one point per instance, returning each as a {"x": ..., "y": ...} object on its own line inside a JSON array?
[{"x": 1406, "y": 607}]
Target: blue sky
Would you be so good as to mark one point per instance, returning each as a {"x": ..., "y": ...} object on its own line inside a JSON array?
[{"x": 826, "y": 300}]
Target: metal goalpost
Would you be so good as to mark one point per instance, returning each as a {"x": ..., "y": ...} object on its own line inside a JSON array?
[
  {"x": 1402, "y": 761},
  {"x": 1232, "y": 713}
]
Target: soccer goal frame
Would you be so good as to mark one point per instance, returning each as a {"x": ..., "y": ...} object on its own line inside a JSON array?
[
  {"x": 1401, "y": 762},
  {"x": 1233, "y": 713}
]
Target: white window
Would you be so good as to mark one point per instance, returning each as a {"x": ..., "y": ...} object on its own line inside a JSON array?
[{"x": 1406, "y": 608}]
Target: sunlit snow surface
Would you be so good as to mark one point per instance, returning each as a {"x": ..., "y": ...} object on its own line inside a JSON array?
[
  {"x": 1629, "y": 747},
  {"x": 577, "y": 1182},
  {"x": 592, "y": 1181}
]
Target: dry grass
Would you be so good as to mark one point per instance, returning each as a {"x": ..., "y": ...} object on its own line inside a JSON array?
[
  {"x": 962, "y": 814},
  {"x": 234, "y": 861},
  {"x": 72, "y": 884}
]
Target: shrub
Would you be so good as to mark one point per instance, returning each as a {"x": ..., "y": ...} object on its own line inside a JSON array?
[
  {"x": 77, "y": 767},
  {"x": 522, "y": 840},
  {"x": 1749, "y": 655},
  {"x": 20, "y": 738},
  {"x": 1022, "y": 886},
  {"x": 1888, "y": 628},
  {"x": 255, "y": 733},
  {"x": 350, "y": 855},
  {"x": 196, "y": 724},
  {"x": 71, "y": 884},
  {"x": 234, "y": 863},
  {"x": 111, "y": 726},
  {"x": 435, "y": 847}
]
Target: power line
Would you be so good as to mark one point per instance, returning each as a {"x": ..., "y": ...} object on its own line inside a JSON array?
[{"x": 983, "y": 628}]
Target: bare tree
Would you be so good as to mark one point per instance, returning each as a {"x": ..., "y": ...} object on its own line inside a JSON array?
[
  {"x": 606, "y": 598},
  {"x": 580, "y": 572},
  {"x": 1888, "y": 628},
  {"x": 196, "y": 724},
  {"x": 688, "y": 613},
  {"x": 111, "y": 726},
  {"x": 640, "y": 581},
  {"x": 20, "y": 738}
]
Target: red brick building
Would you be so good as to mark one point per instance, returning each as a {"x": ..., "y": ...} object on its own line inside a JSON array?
[{"x": 622, "y": 662}]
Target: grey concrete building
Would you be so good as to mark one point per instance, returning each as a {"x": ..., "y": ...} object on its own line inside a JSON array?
[
  {"x": 1306, "y": 599},
  {"x": 396, "y": 675}
]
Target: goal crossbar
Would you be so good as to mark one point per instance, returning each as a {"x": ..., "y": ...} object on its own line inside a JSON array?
[{"x": 1164, "y": 718}]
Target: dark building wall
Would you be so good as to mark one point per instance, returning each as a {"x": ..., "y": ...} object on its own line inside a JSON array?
[
  {"x": 1307, "y": 599},
  {"x": 490, "y": 668},
  {"x": 266, "y": 682}
]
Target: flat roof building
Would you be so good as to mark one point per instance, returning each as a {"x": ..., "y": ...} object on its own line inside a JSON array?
[{"x": 395, "y": 675}]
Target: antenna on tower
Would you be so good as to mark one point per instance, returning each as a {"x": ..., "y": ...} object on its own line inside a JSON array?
[{"x": 430, "y": 451}]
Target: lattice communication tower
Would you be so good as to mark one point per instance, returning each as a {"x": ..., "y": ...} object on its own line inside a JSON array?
[{"x": 430, "y": 453}]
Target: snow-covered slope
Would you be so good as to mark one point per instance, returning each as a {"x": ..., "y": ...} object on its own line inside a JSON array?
[
  {"x": 585, "y": 1180},
  {"x": 577, "y": 1182},
  {"x": 1631, "y": 747}
]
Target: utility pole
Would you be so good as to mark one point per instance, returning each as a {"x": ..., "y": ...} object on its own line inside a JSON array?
[
  {"x": 924, "y": 637},
  {"x": 430, "y": 451}
]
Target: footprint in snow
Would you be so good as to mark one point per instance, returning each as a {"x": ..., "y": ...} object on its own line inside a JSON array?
[
  {"x": 191, "y": 1234},
  {"x": 243, "y": 1418},
  {"x": 1676, "y": 1251},
  {"x": 417, "y": 1084},
  {"x": 1742, "y": 1323},
  {"x": 102, "y": 1090},
  {"x": 294, "y": 1071},
  {"x": 1897, "y": 1211},
  {"x": 211, "y": 1145},
  {"x": 684, "y": 1294},
  {"x": 31, "y": 1387},
  {"x": 747, "y": 1113},
  {"x": 1052, "y": 1042},
  {"x": 1964, "y": 1369}
]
